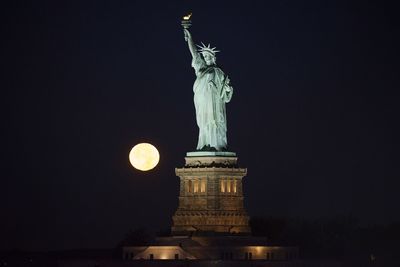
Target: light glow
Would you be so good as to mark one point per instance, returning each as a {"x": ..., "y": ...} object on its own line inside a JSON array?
[
  {"x": 196, "y": 186},
  {"x": 203, "y": 186},
  {"x": 222, "y": 186}
]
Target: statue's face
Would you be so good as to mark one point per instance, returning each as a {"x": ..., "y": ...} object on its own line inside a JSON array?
[{"x": 209, "y": 58}]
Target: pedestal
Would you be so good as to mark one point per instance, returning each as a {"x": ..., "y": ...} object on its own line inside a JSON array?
[{"x": 211, "y": 195}]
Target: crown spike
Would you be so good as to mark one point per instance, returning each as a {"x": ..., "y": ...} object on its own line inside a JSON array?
[{"x": 207, "y": 49}]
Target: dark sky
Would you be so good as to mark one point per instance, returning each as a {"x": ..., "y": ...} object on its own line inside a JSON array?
[{"x": 314, "y": 116}]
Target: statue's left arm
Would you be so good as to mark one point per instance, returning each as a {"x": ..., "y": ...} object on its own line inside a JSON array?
[
  {"x": 228, "y": 92},
  {"x": 226, "y": 88}
]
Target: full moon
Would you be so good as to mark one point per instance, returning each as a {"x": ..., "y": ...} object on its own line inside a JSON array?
[{"x": 144, "y": 156}]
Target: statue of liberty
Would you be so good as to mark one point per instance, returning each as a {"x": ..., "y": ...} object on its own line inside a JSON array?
[{"x": 211, "y": 91}]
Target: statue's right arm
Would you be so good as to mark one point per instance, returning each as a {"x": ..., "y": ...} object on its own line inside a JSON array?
[{"x": 192, "y": 46}]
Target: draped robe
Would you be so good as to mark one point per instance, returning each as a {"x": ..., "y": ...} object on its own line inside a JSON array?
[{"x": 211, "y": 92}]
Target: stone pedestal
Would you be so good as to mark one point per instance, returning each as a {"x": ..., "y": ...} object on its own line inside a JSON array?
[{"x": 211, "y": 196}]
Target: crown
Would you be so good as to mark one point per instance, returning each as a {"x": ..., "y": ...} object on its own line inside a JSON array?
[{"x": 207, "y": 49}]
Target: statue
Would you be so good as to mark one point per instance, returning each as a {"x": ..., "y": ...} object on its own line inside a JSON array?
[{"x": 211, "y": 91}]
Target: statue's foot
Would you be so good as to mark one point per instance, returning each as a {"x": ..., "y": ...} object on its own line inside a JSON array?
[{"x": 208, "y": 148}]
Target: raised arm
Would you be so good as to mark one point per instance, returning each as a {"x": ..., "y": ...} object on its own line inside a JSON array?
[{"x": 192, "y": 46}]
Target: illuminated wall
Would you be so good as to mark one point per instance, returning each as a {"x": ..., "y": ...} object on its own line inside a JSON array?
[{"x": 266, "y": 253}]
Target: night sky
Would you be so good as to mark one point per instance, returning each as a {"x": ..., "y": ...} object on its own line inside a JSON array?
[{"x": 314, "y": 115}]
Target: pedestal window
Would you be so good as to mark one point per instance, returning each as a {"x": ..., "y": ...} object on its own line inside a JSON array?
[
  {"x": 196, "y": 186},
  {"x": 228, "y": 186},
  {"x": 203, "y": 186},
  {"x": 222, "y": 186}
]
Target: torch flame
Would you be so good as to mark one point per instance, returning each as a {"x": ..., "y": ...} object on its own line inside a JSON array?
[{"x": 187, "y": 17}]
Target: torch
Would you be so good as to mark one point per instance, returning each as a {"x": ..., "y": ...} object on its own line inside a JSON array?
[{"x": 186, "y": 22}]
